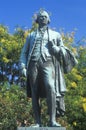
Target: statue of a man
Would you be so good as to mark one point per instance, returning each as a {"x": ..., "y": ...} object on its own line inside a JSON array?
[{"x": 43, "y": 60}]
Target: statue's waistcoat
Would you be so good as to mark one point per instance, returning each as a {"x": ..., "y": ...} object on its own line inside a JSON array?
[{"x": 44, "y": 43}]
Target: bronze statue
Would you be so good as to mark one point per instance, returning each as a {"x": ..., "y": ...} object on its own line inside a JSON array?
[{"x": 43, "y": 60}]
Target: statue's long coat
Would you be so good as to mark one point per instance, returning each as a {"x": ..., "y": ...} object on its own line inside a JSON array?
[{"x": 63, "y": 62}]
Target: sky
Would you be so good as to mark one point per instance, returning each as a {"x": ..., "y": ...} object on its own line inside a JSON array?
[{"x": 69, "y": 15}]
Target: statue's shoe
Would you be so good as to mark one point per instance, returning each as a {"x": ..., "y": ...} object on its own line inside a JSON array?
[
  {"x": 35, "y": 125},
  {"x": 54, "y": 124}
]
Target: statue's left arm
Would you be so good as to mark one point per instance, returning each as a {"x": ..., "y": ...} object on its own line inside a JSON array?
[
  {"x": 64, "y": 54},
  {"x": 57, "y": 45}
]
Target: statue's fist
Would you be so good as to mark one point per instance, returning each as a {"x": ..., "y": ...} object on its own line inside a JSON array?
[{"x": 55, "y": 49}]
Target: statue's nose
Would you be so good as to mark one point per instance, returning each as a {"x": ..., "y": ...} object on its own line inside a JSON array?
[{"x": 43, "y": 17}]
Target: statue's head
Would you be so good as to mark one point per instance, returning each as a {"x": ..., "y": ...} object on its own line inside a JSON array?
[{"x": 42, "y": 13}]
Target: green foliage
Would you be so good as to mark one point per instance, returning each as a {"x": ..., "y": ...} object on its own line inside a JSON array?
[
  {"x": 15, "y": 108},
  {"x": 76, "y": 93},
  {"x": 10, "y": 45}
]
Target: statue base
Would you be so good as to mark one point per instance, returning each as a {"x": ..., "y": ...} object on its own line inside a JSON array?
[{"x": 41, "y": 128}]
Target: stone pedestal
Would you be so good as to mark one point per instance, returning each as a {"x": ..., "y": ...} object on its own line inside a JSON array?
[{"x": 41, "y": 128}]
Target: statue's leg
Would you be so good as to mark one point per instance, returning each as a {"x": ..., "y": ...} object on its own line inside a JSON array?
[
  {"x": 34, "y": 91},
  {"x": 36, "y": 107},
  {"x": 49, "y": 81}
]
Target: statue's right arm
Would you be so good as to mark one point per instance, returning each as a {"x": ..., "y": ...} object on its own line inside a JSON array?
[{"x": 24, "y": 56}]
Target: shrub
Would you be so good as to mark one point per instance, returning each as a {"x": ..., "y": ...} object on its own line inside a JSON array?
[{"x": 16, "y": 109}]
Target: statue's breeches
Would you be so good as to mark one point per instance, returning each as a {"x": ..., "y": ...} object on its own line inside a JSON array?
[{"x": 42, "y": 77}]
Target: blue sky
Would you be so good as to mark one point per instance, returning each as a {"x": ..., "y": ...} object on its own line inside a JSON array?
[{"x": 66, "y": 14}]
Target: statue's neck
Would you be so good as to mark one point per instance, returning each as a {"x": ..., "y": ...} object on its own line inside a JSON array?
[{"x": 42, "y": 27}]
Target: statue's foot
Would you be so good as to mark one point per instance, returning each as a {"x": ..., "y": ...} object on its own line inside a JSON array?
[
  {"x": 35, "y": 125},
  {"x": 54, "y": 124}
]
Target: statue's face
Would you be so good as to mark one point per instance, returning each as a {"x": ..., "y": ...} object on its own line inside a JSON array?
[{"x": 43, "y": 20}]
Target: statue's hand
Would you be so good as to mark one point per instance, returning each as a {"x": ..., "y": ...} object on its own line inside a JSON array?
[
  {"x": 55, "y": 49},
  {"x": 24, "y": 72}
]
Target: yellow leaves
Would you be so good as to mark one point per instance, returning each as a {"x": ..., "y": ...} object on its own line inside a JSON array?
[
  {"x": 10, "y": 45},
  {"x": 74, "y": 123},
  {"x": 74, "y": 50},
  {"x": 1, "y": 30},
  {"x": 73, "y": 84},
  {"x": 84, "y": 107},
  {"x": 76, "y": 75},
  {"x": 2, "y": 40},
  {"x": 70, "y": 39},
  {"x": 74, "y": 70},
  {"x": 83, "y": 100},
  {"x": 81, "y": 48},
  {"x": 26, "y": 33},
  {"x": 5, "y": 60}
]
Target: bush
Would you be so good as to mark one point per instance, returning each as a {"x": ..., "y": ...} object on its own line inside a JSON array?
[
  {"x": 16, "y": 109},
  {"x": 75, "y": 100}
]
